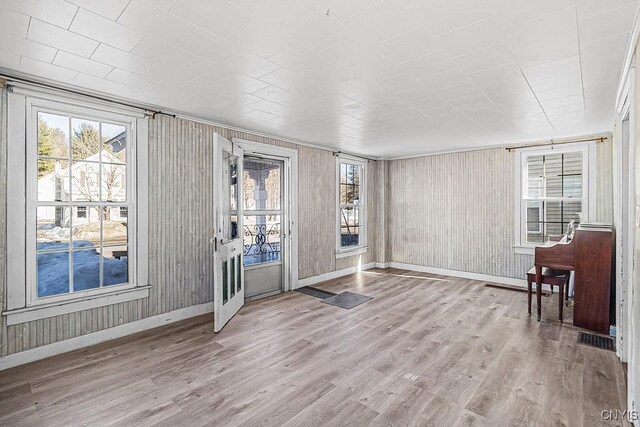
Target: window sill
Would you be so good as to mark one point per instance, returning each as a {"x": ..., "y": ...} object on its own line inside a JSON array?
[
  {"x": 344, "y": 253},
  {"x": 23, "y": 315}
]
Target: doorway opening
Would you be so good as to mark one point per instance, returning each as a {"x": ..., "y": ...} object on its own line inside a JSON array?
[{"x": 269, "y": 230}]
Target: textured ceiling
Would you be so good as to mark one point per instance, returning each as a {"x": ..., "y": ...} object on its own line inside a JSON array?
[{"x": 386, "y": 78}]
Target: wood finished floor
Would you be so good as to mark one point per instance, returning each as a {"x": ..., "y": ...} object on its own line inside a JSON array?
[{"x": 427, "y": 350}]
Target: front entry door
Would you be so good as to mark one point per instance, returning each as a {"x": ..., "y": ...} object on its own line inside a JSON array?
[
  {"x": 228, "y": 296},
  {"x": 264, "y": 216}
]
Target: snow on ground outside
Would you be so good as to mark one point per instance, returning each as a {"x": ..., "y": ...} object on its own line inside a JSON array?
[{"x": 53, "y": 269}]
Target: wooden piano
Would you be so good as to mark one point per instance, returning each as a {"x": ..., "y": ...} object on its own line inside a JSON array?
[{"x": 588, "y": 254}]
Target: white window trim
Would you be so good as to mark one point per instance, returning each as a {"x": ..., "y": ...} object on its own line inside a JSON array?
[
  {"x": 362, "y": 247},
  {"x": 588, "y": 150},
  {"x": 21, "y": 304}
]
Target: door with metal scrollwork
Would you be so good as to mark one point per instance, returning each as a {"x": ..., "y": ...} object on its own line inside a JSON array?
[
  {"x": 263, "y": 231},
  {"x": 229, "y": 287}
]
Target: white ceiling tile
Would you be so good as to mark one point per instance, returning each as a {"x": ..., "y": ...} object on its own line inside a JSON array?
[
  {"x": 53, "y": 36},
  {"x": 24, "y": 47},
  {"x": 458, "y": 91},
  {"x": 13, "y": 22},
  {"x": 109, "y": 9},
  {"x": 607, "y": 24},
  {"x": 273, "y": 94},
  {"x": 266, "y": 106},
  {"x": 128, "y": 78},
  {"x": 399, "y": 83},
  {"x": 250, "y": 64},
  {"x": 149, "y": 19},
  {"x": 483, "y": 59},
  {"x": 567, "y": 79},
  {"x": 259, "y": 37},
  {"x": 404, "y": 47},
  {"x": 164, "y": 4},
  {"x": 414, "y": 95},
  {"x": 341, "y": 9},
  {"x": 111, "y": 56},
  {"x": 350, "y": 52},
  {"x": 561, "y": 92},
  {"x": 81, "y": 64},
  {"x": 445, "y": 79},
  {"x": 56, "y": 12},
  {"x": 471, "y": 101},
  {"x": 541, "y": 30},
  {"x": 9, "y": 60},
  {"x": 162, "y": 53},
  {"x": 220, "y": 17},
  {"x": 515, "y": 12},
  {"x": 427, "y": 105},
  {"x": 428, "y": 65},
  {"x": 497, "y": 74},
  {"x": 208, "y": 46},
  {"x": 561, "y": 48},
  {"x": 277, "y": 13},
  {"x": 442, "y": 16},
  {"x": 474, "y": 37},
  {"x": 550, "y": 69},
  {"x": 283, "y": 79},
  {"x": 98, "y": 84},
  {"x": 588, "y": 8},
  {"x": 382, "y": 21},
  {"x": 262, "y": 116},
  {"x": 104, "y": 30},
  {"x": 375, "y": 70},
  {"x": 242, "y": 83},
  {"x": 316, "y": 30},
  {"x": 298, "y": 59},
  {"x": 208, "y": 70},
  {"x": 48, "y": 71}
]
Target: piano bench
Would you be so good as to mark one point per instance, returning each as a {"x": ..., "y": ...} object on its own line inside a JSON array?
[{"x": 559, "y": 278}]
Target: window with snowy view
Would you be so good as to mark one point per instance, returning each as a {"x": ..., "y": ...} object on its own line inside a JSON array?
[{"x": 82, "y": 204}]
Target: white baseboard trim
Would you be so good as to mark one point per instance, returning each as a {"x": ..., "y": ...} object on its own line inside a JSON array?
[
  {"x": 462, "y": 274},
  {"x": 308, "y": 281},
  {"x": 382, "y": 265},
  {"x": 82, "y": 341}
]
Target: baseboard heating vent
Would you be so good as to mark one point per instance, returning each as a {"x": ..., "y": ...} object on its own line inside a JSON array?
[{"x": 596, "y": 341}]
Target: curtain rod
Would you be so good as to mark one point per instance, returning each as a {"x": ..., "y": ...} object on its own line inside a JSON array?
[
  {"x": 552, "y": 143},
  {"x": 337, "y": 153},
  {"x": 6, "y": 79}
]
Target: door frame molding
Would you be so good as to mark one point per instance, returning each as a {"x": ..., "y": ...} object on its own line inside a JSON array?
[{"x": 290, "y": 157}]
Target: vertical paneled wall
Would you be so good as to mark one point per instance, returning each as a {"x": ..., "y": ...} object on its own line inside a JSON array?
[
  {"x": 180, "y": 221},
  {"x": 457, "y": 211}
]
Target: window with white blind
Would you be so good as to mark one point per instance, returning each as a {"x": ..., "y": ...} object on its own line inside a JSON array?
[
  {"x": 554, "y": 190},
  {"x": 351, "y": 225}
]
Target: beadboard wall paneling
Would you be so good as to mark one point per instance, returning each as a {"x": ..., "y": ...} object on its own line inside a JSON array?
[
  {"x": 180, "y": 222},
  {"x": 456, "y": 211}
]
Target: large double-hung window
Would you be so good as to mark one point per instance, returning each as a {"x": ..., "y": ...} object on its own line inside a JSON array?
[
  {"x": 77, "y": 182},
  {"x": 73, "y": 206}
]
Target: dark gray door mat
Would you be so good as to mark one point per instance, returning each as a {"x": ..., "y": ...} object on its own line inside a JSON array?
[
  {"x": 347, "y": 300},
  {"x": 315, "y": 292}
]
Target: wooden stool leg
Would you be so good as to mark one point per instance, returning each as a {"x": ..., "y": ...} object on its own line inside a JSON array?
[
  {"x": 539, "y": 290},
  {"x": 529, "y": 293},
  {"x": 561, "y": 300}
]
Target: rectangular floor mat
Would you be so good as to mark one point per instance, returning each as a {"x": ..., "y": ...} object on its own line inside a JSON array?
[
  {"x": 315, "y": 292},
  {"x": 347, "y": 300}
]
